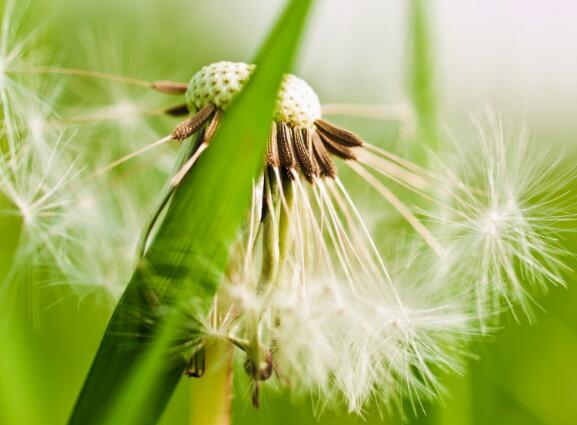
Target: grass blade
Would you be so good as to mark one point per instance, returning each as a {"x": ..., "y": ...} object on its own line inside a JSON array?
[
  {"x": 132, "y": 376},
  {"x": 421, "y": 71}
]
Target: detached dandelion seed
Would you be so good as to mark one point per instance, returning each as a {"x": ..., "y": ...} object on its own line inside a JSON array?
[{"x": 502, "y": 231}]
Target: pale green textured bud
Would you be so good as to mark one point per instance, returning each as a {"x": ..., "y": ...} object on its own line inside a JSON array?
[
  {"x": 217, "y": 83},
  {"x": 297, "y": 103}
]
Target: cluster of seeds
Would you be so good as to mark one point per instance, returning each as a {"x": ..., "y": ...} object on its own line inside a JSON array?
[
  {"x": 300, "y": 140},
  {"x": 297, "y": 103},
  {"x": 217, "y": 84},
  {"x": 308, "y": 151}
]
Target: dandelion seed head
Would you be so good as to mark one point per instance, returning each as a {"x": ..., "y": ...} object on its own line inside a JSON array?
[
  {"x": 297, "y": 103},
  {"x": 218, "y": 83}
]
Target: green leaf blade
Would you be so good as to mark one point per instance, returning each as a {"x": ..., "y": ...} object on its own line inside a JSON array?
[{"x": 131, "y": 380}]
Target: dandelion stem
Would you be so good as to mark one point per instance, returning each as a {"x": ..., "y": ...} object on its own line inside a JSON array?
[
  {"x": 212, "y": 394},
  {"x": 270, "y": 235},
  {"x": 421, "y": 71},
  {"x": 284, "y": 224}
]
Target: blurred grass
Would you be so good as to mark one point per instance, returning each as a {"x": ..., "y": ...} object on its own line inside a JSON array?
[
  {"x": 422, "y": 71},
  {"x": 525, "y": 376}
]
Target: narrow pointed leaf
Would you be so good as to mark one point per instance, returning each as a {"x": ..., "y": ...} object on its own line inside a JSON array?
[{"x": 135, "y": 370}]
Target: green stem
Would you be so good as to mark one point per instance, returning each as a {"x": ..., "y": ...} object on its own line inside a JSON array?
[
  {"x": 270, "y": 252},
  {"x": 284, "y": 220},
  {"x": 276, "y": 227},
  {"x": 212, "y": 394},
  {"x": 20, "y": 401},
  {"x": 422, "y": 78},
  {"x": 10, "y": 229}
]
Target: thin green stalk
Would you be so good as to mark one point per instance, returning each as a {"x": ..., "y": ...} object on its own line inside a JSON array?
[
  {"x": 284, "y": 221},
  {"x": 19, "y": 397},
  {"x": 275, "y": 227},
  {"x": 212, "y": 394},
  {"x": 422, "y": 73},
  {"x": 270, "y": 231},
  {"x": 10, "y": 229}
]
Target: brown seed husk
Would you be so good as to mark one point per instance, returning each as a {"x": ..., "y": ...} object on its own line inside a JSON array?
[
  {"x": 325, "y": 162},
  {"x": 304, "y": 156},
  {"x": 337, "y": 134},
  {"x": 169, "y": 87},
  {"x": 272, "y": 155},
  {"x": 285, "y": 146},
  {"x": 190, "y": 126},
  {"x": 337, "y": 148}
]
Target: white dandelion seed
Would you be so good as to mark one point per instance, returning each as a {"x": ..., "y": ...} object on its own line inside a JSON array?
[
  {"x": 503, "y": 226},
  {"x": 99, "y": 253},
  {"x": 35, "y": 188},
  {"x": 73, "y": 231},
  {"x": 25, "y": 100}
]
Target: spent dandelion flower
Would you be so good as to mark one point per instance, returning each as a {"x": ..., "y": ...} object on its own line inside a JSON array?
[
  {"x": 309, "y": 258},
  {"x": 309, "y": 263},
  {"x": 339, "y": 339}
]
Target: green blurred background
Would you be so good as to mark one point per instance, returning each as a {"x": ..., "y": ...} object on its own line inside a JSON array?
[{"x": 516, "y": 55}]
